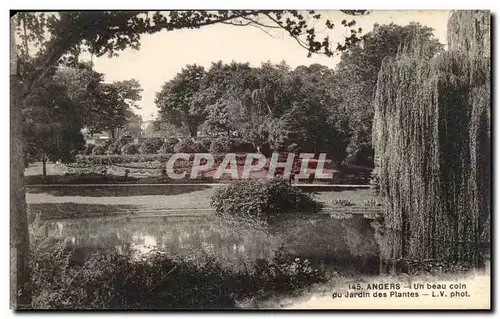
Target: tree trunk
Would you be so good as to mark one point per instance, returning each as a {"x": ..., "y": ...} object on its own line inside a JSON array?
[
  {"x": 44, "y": 165},
  {"x": 19, "y": 237}
]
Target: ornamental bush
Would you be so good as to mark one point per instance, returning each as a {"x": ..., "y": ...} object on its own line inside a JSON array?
[
  {"x": 168, "y": 146},
  {"x": 262, "y": 201},
  {"x": 200, "y": 147},
  {"x": 130, "y": 149},
  {"x": 186, "y": 145},
  {"x": 88, "y": 149},
  {"x": 151, "y": 145},
  {"x": 116, "y": 146},
  {"x": 221, "y": 144},
  {"x": 98, "y": 150}
]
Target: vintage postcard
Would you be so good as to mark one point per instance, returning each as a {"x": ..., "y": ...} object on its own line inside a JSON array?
[{"x": 250, "y": 159}]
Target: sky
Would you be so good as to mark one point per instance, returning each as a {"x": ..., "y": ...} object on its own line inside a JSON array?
[{"x": 162, "y": 55}]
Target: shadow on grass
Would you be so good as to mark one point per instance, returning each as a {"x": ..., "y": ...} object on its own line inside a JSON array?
[
  {"x": 69, "y": 210},
  {"x": 113, "y": 191}
]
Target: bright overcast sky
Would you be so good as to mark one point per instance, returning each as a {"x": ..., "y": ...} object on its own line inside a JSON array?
[{"x": 164, "y": 54}]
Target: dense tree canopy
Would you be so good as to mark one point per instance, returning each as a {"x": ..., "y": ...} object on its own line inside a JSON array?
[
  {"x": 176, "y": 100},
  {"x": 270, "y": 107},
  {"x": 273, "y": 106},
  {"x": 72, "y": 99},
  {"x": 357, "y": 75}
]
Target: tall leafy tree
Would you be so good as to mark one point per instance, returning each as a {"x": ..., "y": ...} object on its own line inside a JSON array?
[
  {"x": 52, "y": 124},
  {"x": 357, "y": 75},
  {"x": 113, "y": 105},
  {"x": 73, "y": 98},
  {"x": 101, "y": 106},
  {"x": 176, "y": 101}
]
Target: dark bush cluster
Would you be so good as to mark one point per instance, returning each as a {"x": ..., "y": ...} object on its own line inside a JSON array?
[
  {"x": 110, "y": 280},
  {"x": 221, "y": 144},
  {"x": 262, "y": 201},
  {"x": 88, "y": 149},
  {"x": 168, "y": 146},
  {"x": 130, "y": 149},
  {"x": 186, "y": 145},
  {"x": 115, "y": 146},
  {"x": 201, "y": 147},
  {"x": 97, "y": 150},
  {"x": 151, "y": 145}
]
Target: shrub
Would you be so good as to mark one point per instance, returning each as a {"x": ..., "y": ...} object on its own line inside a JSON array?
[
  {"x": 262, "y": 201},
  {"x": 88, "y": 149},
  {"x": 221, "y": 144},
  {"x": 206, "y": 144},
  {"x": 168, "y": 146},
  {"x": 342, "y": 202},
  {"x": 130, "y": 149},
  {"x": 371, "y": 202},
  {"x": 284, "y": 273},
  {"x": 115, "y": 147},
  {"x": 375, "y": 181},
  {"x": 107, "y": 143},
  {"x": 199, "y": 147},
  {"x": 98, "y": 150},
  {"x": 151, "y": 145},
  {"x": 184, "y": 146}
]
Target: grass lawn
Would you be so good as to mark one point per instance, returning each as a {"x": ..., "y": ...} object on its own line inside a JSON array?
[
  {"x": 72, "y": 201},
  {"x": 357, "y": 196}
]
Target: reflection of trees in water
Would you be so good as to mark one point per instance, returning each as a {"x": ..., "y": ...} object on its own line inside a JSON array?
[{"x": 321, "y": 238}]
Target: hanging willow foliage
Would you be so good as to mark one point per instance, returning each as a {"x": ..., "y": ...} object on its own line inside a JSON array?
[{"x": 432, "y": 143}]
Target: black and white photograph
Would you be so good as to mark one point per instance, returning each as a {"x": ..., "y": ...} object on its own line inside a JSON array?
[{"x": 250, "y": 159}]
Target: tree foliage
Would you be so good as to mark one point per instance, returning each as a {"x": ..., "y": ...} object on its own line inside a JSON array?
[
  {"x": 269, "y": 107},
  {"x": 357, "y": 77},
  {"x": 176, "y": 101},
  {"x": 72, "y": 99},
  {"x": 432, "y": 138}
]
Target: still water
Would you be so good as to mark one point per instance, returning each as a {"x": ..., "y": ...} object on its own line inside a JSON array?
[{"x": 347, "y": 242}]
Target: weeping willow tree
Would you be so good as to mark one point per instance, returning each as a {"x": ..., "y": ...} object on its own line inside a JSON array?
[{"x": 432, "y": 143}]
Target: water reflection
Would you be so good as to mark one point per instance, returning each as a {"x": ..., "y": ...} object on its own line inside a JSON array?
[{"x": 346, "y": 242}]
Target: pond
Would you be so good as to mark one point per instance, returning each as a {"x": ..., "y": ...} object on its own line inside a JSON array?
[{"x": 345, "y": 242}]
